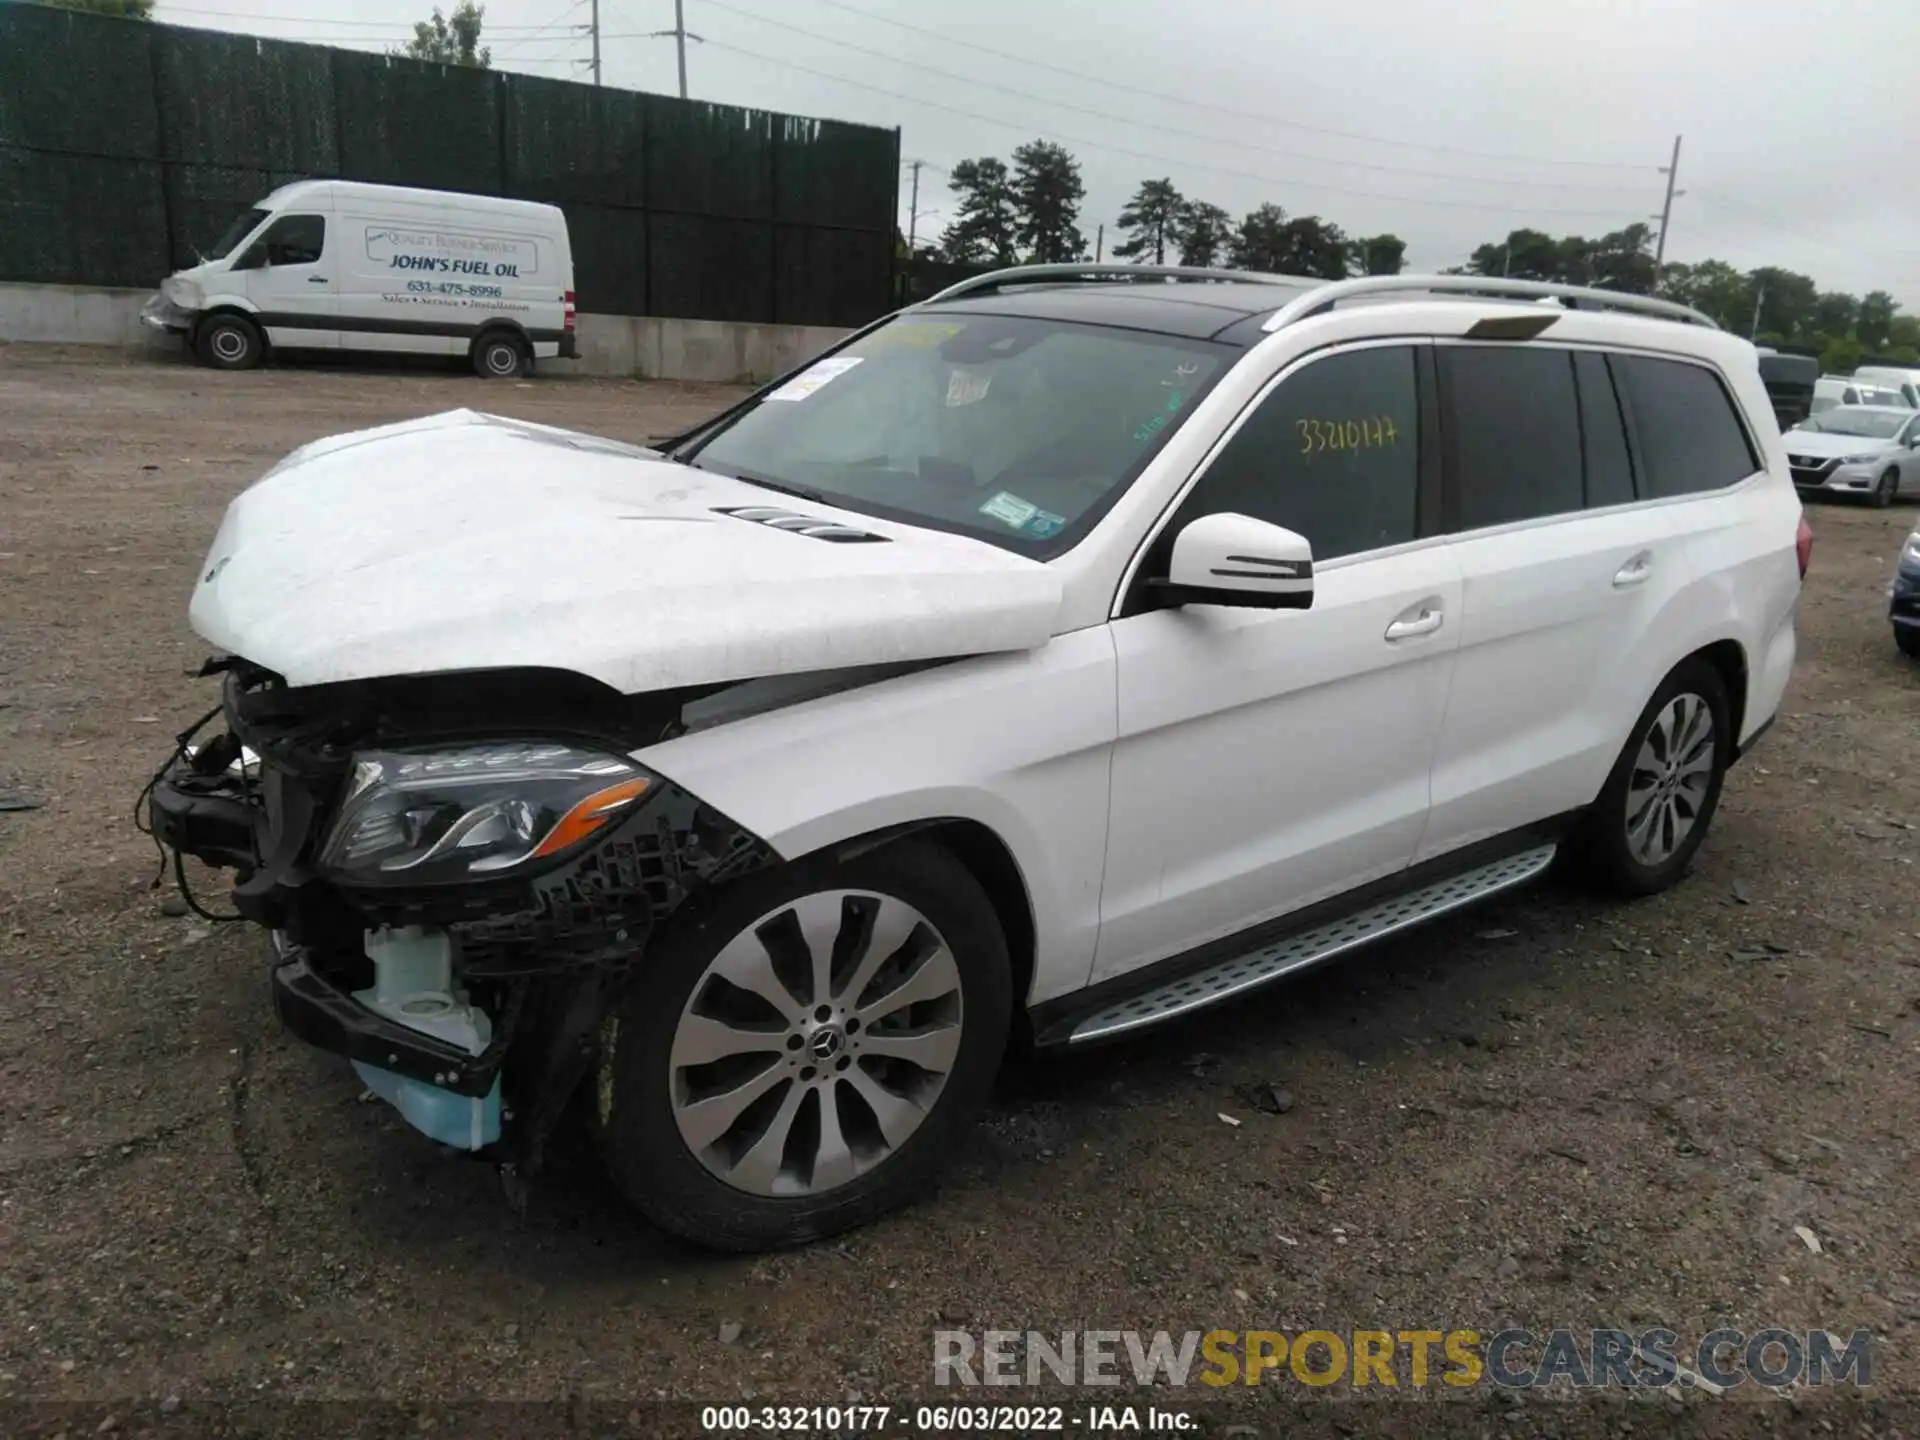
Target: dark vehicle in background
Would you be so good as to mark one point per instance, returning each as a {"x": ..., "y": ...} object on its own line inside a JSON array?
[
  {"x": 1789, "y": 380},
  {"x": 1904, "y": 611}
]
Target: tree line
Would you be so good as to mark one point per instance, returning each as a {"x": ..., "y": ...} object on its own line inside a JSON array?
[
  {"x": 1773, "y": 305},
  {"x": 1030, "y": 211}
]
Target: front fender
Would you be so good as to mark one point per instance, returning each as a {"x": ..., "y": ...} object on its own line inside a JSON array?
[{"x": 1018, "y": 743}]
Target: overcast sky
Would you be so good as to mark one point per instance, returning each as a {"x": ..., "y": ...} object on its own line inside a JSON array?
[{"x": 1448, "y": 122}]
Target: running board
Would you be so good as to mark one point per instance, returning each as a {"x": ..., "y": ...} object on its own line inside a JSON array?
[{"x": 1309, "y": 947}]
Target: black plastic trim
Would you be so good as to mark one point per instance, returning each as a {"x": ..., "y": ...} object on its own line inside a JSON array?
[
  {"x": 329, "y": 1019},
  {"x": 209, "y": 819},
  {"x": 1740, "y": 750},
  {"x": 1053, "y": 1020}
]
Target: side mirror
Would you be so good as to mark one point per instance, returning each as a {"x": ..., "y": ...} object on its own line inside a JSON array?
[{"x": 1229, "y": 559}]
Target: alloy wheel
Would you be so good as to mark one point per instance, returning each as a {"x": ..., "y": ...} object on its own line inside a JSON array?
[
  {"x": 815, "y": 1043},
  {"x": 1671, "y": 778}
]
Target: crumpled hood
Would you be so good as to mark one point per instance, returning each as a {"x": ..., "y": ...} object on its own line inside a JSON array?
[
  {"x": 1823, "y": 446},
  {"x": 466, "y": 541}
]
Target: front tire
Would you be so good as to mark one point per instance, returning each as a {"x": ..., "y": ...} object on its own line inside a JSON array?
[
  {"x": 806, "y": 1055},
  {"x": 229, "y": 342},
  {"x": 1885, "y": 489},
  {"x": 1907, "y": 637},
  {"x": 1640, "y": 834}
]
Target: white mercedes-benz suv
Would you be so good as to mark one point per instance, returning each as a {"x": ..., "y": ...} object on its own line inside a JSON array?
[{"x": 1080, "y": 648}]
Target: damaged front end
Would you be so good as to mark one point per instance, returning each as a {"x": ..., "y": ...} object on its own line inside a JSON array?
[{"x": 459, "y": 872}]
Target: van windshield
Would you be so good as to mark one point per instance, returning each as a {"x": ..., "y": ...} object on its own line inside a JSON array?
[
  {"x": 1014, "y": 430},
  {"x": 241, "y": 227}
]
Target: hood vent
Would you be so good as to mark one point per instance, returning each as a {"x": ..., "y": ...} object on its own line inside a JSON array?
[{"x": 811, "y": 526}]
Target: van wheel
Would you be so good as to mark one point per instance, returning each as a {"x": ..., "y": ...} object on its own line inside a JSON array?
[
  {"x": 1653, "y": 812},
  {"x": 229, "y": 342},
  {"x": 806, "y": 1056},
  {"x": 500, "y": 356}
]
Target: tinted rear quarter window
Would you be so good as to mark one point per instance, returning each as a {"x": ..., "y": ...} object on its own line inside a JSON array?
[
  {"x": 1514, "y": 430},
  {"x": 1689, "y": 436}
]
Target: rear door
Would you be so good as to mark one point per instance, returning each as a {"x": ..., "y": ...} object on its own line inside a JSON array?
[
  {"x": 1564, "y": 569},
  {"x": 291, "y": 273}
]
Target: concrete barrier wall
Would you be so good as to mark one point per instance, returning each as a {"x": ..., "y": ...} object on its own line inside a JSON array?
[{"x": 645, "y": 346}]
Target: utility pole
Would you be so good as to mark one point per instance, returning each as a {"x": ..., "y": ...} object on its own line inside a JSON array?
[
  {"x": 913, "y": 207},
  {"x": 680, "y": 43},
  {"x": 1672, "y": 169},
  {"x": 1759, "y": 297},
  {"x": 596, "y": 42},
  {"x": 1099, "y": 243}
]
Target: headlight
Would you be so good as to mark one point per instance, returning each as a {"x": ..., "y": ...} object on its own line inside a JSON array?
[
  {"x": 421, "y": 817},
  {"x": 1911, "y": 551},
  {"x": 1866, "y": 459}
]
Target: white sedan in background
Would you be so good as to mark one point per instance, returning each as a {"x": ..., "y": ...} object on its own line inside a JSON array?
[{"x": 1865, "y": 450}]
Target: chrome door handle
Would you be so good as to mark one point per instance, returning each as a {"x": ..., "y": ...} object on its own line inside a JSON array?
[
  {"x": 1635, "y": 571},
  {"x": 1425, "y": 623}
]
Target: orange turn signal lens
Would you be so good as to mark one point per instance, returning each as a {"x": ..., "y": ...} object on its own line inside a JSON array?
[{"x": 589, "y": 815}]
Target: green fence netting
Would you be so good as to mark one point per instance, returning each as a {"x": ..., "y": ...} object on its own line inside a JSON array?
[{"x": 127, "y": 147}]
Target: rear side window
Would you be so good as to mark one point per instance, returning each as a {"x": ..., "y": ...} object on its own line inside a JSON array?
[
  {"x": 1689, "y": 436},
  {"x": 1514, "y": 430},
  {"x": 1603, "y": 434}
]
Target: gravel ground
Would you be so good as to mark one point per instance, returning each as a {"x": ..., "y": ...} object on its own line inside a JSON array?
[{"x": 1552, "y": 1111}]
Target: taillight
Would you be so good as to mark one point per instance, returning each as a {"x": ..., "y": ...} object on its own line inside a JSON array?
[
  {"x": 570, "y": 311},
  {"x": 1803, "y": 545}
]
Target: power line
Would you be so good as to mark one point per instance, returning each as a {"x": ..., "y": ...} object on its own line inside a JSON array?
[
  {"x": 1785, "y": 229},
  {"x": 1108, "y": 115},
  {"x": 1172, "y": 99},
  {"x": 1149, "y": 156},
  {"x": 257, "y": 15}
]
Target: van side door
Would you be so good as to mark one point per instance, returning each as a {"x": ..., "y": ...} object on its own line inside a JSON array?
[{"x": 290, "y": 273}]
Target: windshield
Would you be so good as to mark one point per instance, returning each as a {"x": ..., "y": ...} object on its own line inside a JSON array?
[
  {"x": 1851, "y": 420},
  {"x": 1876, "y": 375},
  {"x": 1013, "y": 430},
  {"x": 235, "y": 233}
]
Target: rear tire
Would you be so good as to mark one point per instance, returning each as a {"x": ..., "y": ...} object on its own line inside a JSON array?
[
  {"x": 229, "y": 342},
  {"x": 500, "y": 355},
  {"x": 1885, "y": 489},
  {"x": 1639, "y": 835},
  {"x": 808, "y": 1054},
  {"x": 1907, "y": 637}
]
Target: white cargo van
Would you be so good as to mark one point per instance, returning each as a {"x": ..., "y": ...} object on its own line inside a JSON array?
[{"x": 337, "y": 265}]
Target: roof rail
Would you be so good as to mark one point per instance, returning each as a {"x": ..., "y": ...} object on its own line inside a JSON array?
[
  {"x": 1574, "y": 297},
  {"x": 1081, "y": 273}
]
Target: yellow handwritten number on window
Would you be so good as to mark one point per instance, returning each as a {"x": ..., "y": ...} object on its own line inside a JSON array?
[{"x": 1365, "y": 432}]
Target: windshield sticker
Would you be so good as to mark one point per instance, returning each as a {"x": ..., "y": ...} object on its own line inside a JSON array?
[
  {"x": 1159, "y": 422},
  {"x": 1010, "y": 509},
  {"x": 1044, "y": 525},
  {"x": 821, "y": 372},
  {"x": 968, "y": 387},
  {"x": 1369, "y": 432}
]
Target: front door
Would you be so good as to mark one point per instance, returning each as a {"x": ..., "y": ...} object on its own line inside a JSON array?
[
  {"x": 1269, "y": 759},
  {"x": 291, "y": 271}
]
